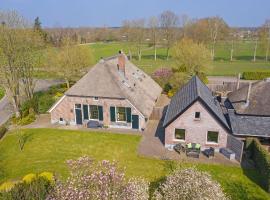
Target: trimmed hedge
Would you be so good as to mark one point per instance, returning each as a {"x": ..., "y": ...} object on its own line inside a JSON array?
[
  {"x": 255, "y": 75},
  {"x": 261, "y": 158}
]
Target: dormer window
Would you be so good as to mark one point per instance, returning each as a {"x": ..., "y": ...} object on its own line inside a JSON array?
[{"x": 197, "y": 115}]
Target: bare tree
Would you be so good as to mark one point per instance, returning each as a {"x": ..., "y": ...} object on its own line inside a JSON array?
[
  {"x": 216, "y": 26},
  {"x": 264, "y": 36},
  {"x": 255, "y": 49},
  {"x": 126, "y": 31},
  {"x": 232, "y": 39},
  {"x": 11, "y": 42},
  {"x": 169, "y": 22},
  {"x": 154, "y": 25},
  {"x": 138, "y": 31}
]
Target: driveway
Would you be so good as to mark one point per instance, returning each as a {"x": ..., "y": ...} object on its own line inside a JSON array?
[{"x": 6, "y": 108}]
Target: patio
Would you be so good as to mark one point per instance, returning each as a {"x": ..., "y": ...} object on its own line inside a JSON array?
[{"x": 152, "y": 146}]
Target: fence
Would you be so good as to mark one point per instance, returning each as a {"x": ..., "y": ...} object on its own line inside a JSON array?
[
  {"x": 157, "y": 113},
  {"x": 237, "y": 146}
]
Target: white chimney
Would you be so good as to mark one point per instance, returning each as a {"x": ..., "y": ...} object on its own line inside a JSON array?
[
  {"x": 248, "y": 94},
  {"x": 238, "y": 81}
]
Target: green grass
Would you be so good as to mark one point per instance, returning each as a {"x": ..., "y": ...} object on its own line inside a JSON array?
[
  {"x": 48, "y": 149},
  {"x": 243, "y": 55},
  {"x": 2, "y": 92}
]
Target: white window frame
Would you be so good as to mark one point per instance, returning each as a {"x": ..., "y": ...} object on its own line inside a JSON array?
[
  {"x": 214, "y": 143},
  {"x": 197, "y": 119},
  {"x": 179, "y": 140},
  {"x": 116, "y": 114},
  {"x": 90, "y": 118}
]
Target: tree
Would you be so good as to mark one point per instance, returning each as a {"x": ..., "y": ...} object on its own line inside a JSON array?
[
  {"x": 169, "y": 22},
  {"x": 264, "y": 36},
  {"x": 190, "y": 57},
  {"x": 137, "y": 35},
  {"x": 189, "y": 184},
  {"x": 12, "y": 38},
  {"x": 154, "y": 25},
  {"x": 126, "y": 31},
  {"x": 37, "y": 24},
  {"x": 38, "y": 29},
  {"x": 103, "y": 181},
  {"x": 69, "y": 59}
]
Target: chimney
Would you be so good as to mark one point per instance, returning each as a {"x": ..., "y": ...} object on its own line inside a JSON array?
[
  {"x": 248, "y": 94},
  {"x": 238, "y": 81},
  {"x": 121, "y": 63}
]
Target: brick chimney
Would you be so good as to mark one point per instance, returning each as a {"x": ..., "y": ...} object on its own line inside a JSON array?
[{"x": 121, "y": 63}]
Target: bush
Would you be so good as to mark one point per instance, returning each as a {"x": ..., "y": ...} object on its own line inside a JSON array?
[
  {"x": 189, "y": 184},
  {"x": 29, "y": 178},
  {"x": 261, "y": 158},
  {"x": 38, "y": 188},
  {"x": 167, "y": 87},
  {"x": 255, "y": 75},
  {"x": 3, "y": 130},
  {"x": 6, "y": 186},
  {"x": 47, "y": 175},
  {"x": 27, "y": 120},
  {"x": 98, "y": 181}
]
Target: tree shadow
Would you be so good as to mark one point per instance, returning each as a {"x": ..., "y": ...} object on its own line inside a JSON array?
[
  {"x": 160, "y": 131},
  {"x": 23, "y": 138}
]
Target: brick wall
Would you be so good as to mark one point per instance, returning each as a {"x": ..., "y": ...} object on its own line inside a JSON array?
[
  {"x": 65, "y": 109},
  {"x": 196, "y": 130}
]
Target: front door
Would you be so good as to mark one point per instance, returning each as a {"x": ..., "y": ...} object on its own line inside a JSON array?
[
  {"x": 78, "y": 116},
  {"x": 135, "y": 122}
]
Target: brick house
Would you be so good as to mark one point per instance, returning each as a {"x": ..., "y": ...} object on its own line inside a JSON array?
[
  {"x": 114, "y": 93},
  {"x": 195, "y": 116}
]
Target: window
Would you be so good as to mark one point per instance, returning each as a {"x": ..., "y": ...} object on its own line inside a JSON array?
[
  {"x": 85, "y": 112},
  {"x": 212, "y": 136},
  {"x": 78, "y": 106},
  {"x": 93, "y": 112},
  {"x": 180, "y": 134},
  {"x": 61, "y": 119},
  {"x": 197, "y": 115},
  {"x": 95, "y": 98},
  {"x": 121, "y": 114}
]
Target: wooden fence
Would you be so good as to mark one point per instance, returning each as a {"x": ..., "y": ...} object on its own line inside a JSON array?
[{"x": 237, "y": 146}]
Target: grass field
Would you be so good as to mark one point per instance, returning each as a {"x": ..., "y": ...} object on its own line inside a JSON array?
[
  {"x": 220, "y": 67},
  {"x": 47, "y": 150}
]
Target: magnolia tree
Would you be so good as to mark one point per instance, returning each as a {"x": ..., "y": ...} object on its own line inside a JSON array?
[
  {"x": 189, "y": 184},
  {"x": 101, "y": 181}
]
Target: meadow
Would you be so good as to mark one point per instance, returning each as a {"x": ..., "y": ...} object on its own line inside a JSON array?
[
  {"x": 221, "y": 66},
  {"x": 48, "y": 149}
]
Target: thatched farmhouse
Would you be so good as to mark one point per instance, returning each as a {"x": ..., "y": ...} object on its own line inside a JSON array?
[{"x": 114, "y": 93}]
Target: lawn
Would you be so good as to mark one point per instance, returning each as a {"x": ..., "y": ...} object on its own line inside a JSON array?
[
  {"x": 220, "y": 67},
  {"x": 47, "y": 150}
]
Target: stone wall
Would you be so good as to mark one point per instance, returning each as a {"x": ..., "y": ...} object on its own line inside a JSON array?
[{"x": 196, "y": 130}]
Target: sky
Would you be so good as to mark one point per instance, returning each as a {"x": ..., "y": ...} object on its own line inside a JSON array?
[{"x": 111, "y": 13}]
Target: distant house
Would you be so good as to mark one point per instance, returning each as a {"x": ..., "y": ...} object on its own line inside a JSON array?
[
  {"x": 195, "y": 116},
  {"x": 249, "y": 110},
  {"x": 114, "y": 93}
]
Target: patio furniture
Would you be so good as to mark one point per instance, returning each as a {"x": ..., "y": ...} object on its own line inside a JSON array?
[
  {"x": 227, "y": 153},
  {"x": 179, "y": 147},
  {"x": 93, "y": 124},
  {"x": 193, "y": 150},
  {"x": 209, "y": 152}
]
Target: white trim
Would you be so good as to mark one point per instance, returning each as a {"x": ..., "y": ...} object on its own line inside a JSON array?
[
  {"x": 56, "y": 104},
  {"x": 125, "y": 114},
  {"x": 179, "y": 140},
  {"x": 136, "y": 109},
  {"x": 213, "y": 143}
]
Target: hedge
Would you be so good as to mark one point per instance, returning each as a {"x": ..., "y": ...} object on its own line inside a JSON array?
[
  {"x": 255, "y": 75},
  {"x": 261, "y": 158}
]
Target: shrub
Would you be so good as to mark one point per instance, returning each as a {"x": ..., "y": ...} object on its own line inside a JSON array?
[
  {"x": 261, "y": 158},
  {"x": 167, "y": 87},
  {"x": 98, "y": 181},
  {"x": 255, "y": 75},
  {"x": 189, "y": 184},
  {"x": 6, "y": 186},
  {"x": 3, "y": 130},
  {"x": 29, "y": 178},
  {"x": 38, "y": 188},
  {"x": 47, "y": 175},
  {"x": 27, "y": 119}
]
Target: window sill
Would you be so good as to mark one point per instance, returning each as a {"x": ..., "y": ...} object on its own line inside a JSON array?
[
  {"x": 212, "y": 143},
  {"x": 197, "y": 119},
  {"x": 177, "y": 140}
]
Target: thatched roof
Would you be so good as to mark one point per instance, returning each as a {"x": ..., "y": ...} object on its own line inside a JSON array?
[
  {"x": 104, "y": 80},
  {"x": 259, "y": 100}
]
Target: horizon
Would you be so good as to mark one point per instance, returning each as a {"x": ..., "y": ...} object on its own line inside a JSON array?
[{"x": 83, "y": 13}]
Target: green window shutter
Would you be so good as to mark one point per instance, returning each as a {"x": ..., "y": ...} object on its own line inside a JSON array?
[
  {"x": 128, "y": 111},
  {"x": 100, "y": 113},
  {"x": 85, "y": 112},
  {"x": 112, "y": 112}
]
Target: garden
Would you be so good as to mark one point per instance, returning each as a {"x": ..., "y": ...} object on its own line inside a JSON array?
[{"x": 49, "y": 149}]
